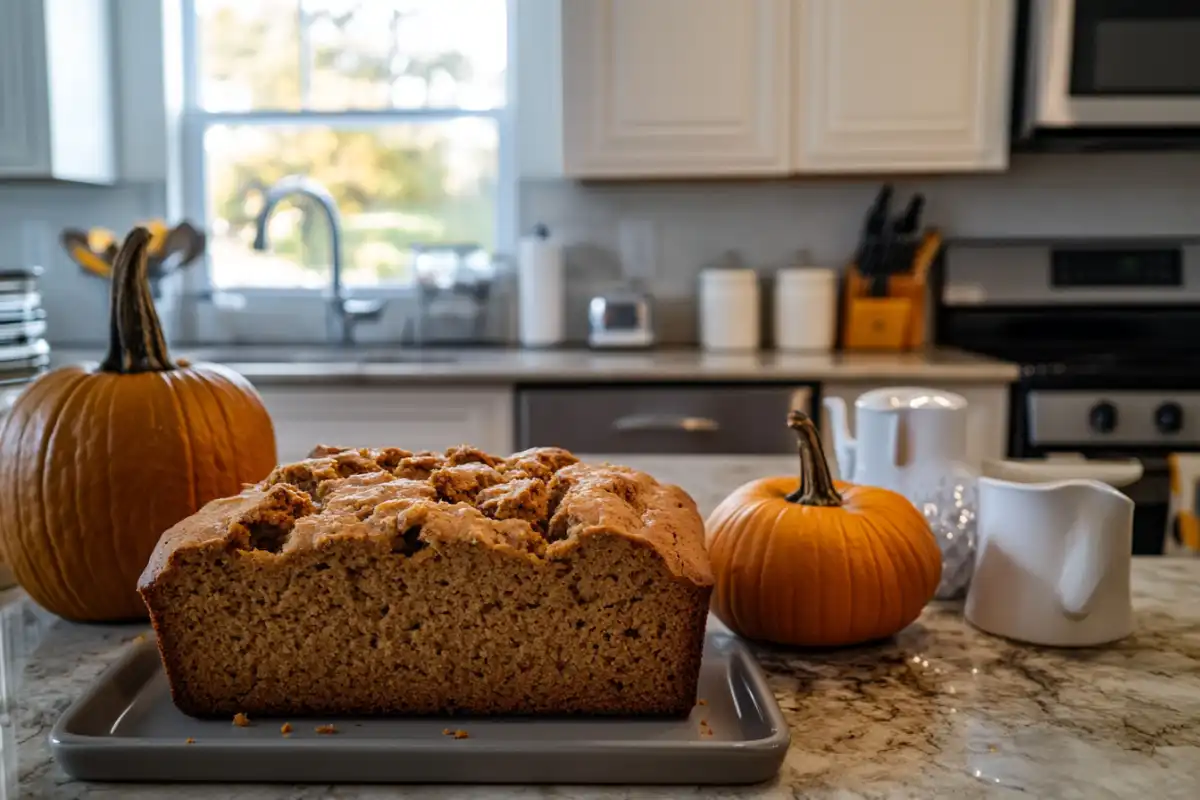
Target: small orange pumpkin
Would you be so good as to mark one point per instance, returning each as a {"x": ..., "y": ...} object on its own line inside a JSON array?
[
  {"x": 95, "y": 463},
  {"x": 819, "y": 564}
]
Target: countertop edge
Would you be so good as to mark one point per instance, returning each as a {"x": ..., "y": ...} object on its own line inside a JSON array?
[{"x": 514, "y": 366}]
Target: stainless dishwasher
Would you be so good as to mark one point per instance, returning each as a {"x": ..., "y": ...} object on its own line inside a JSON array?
[{"x": 707, "y": 439}]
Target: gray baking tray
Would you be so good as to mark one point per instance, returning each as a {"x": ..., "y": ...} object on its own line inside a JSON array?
[{"x": 125, "y": 728}]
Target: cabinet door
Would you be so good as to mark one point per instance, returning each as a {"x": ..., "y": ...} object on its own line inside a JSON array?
[
  {"x": 919, "y": 85},
  {"x": 415, "y": 419},
  {"x": 56, "y": 99},
  {"x": 675, "y": 87},
  {"x": 24, "y": 133},
  {"x": 987, "y": 417}
]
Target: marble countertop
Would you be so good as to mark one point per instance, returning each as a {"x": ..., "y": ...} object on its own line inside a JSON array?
[
  {"x": 941, "y": 711},
  {"x": 373, "y": 365}
]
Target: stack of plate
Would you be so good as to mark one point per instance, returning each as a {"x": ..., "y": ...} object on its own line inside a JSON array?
[{"x": 24, "y": 353}]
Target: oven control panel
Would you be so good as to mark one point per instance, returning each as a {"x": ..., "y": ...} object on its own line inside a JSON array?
[
  {"x": 1125, "y": 418},
  {"x": 981, "y": 274}
]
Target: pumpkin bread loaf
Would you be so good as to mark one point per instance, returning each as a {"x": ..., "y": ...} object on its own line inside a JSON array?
[{"x": 368, "y": 582}]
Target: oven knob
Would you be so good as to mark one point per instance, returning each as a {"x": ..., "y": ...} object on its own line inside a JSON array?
[
  {"x": 1168, "y": 418},
  {"x": 1103, "y": 417}
]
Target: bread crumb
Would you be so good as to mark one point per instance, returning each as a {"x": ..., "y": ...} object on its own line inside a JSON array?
[
  {"x": 141, "y": 637},
  {"x": 701, "y": 702},
  {"x": 285, "y": 728},
  {"x": 241, "y": 720},
  {"x": 189, "y": 740},
  {"x": 461, "y": 735},
  {"x": 326, "y": 729},
  {"x": 447, "y": 732}
]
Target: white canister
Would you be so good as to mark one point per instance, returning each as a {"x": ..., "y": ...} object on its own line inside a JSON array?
[
  {"x": 805, "y": 308},
  {"x": 729, "y": 309}
]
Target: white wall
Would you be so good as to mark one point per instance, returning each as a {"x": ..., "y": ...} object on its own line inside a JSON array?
[
  {"x": 31, "y": 217},
  {"x": 769, "y": 221}
]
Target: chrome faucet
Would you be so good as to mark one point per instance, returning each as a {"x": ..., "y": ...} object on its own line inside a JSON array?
[{"x": 347, "y": 312}]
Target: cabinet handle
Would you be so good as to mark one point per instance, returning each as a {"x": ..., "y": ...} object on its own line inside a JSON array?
[{"x": 666, "y": 422}]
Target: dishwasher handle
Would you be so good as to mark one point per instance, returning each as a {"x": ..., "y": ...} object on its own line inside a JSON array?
[{"x": 666, "y": 422}]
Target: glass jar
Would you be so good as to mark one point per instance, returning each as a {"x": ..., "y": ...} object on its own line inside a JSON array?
[{"x": 949, "y": 505}]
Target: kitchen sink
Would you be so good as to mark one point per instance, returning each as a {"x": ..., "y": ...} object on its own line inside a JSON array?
[{"x": 272, "y": 355}]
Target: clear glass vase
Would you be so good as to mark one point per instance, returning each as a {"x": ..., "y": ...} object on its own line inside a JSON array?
[{"x": 949, "y": 504}]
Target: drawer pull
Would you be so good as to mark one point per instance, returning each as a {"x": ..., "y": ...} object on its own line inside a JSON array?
[{"x": 666, "y": 422}]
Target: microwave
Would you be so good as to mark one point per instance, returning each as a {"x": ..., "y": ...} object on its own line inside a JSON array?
[{"x": 1108, "y": 71}]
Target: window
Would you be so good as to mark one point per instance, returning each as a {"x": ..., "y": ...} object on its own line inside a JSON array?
[{"x": 395, "y": 106}]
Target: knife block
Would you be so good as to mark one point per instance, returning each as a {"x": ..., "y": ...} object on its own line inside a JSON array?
[
  {"x": 877, "y": 323},
  {"x": 896, "y": 321}
]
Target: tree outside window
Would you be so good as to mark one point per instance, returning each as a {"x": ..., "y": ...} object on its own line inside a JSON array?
[{"x": 393, "y": 105}]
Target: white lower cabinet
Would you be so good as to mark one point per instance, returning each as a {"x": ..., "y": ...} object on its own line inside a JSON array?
[
  {"x": 709, "y": 479},
  {"x": 434, "y": 418},
  {"x": 437, "y": 418},
  {"x": 412, "y": 418}
]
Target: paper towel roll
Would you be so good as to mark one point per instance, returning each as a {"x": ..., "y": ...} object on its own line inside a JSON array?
[{"x": 540, "y": 290}]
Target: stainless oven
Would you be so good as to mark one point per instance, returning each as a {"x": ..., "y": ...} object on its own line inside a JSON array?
[
  {"x": 1107, "y": 334},
  {"x": 1109, "y": 67}
]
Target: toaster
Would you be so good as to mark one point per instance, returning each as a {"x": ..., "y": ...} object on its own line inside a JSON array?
[{"x": 620, "y": 319}]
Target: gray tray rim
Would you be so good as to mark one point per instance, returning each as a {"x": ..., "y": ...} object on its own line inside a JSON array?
[{"x": 716, "y": 762}]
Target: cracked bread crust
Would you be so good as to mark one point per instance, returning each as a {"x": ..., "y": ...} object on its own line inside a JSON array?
[
  {"x": 547, "y": 488},
  {"x": 435, "y": 583}
]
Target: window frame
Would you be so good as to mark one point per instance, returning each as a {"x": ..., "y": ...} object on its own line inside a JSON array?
[{"x": 195, "y": 120}]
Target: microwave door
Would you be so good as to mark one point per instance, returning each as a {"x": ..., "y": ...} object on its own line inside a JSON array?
[{"x": 1114, "y": 63}]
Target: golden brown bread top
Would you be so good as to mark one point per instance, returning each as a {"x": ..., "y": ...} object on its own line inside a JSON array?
[{"x": 539, "y": 503}]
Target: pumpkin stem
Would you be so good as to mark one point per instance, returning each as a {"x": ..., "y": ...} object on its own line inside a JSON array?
[
  {"x": 816, "y": 484},
  {"x": 135, "y": 336}
]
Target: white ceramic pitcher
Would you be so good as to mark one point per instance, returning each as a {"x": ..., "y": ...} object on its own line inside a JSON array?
[
  {"x": 908, "y": 437},
  {"x": 1053, "y": 562}
]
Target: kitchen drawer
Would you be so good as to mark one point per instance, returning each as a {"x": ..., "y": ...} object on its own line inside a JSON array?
[{"x": 661, "y": 419}]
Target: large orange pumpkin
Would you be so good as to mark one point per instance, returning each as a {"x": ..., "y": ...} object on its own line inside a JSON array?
[
  {"x": 97, "y": 461},
  {"x": 818, "y": 563}
]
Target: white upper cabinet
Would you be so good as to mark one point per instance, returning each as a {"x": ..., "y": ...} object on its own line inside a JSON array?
[
  {"x": 56, "y": 95},
  {"x": 656, "y": 88},
  {"x": 911, "y": 86},
  {"x": 711, "y": 88}
]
